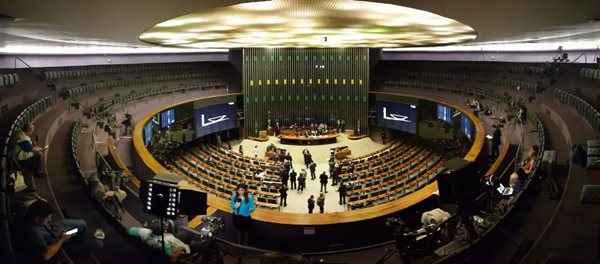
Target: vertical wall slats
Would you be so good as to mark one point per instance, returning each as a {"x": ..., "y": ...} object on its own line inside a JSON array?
[{"x": 277, "y": 85}]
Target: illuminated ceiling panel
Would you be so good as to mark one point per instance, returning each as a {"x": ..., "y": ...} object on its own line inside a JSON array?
[{"x": 309, "y": 23}]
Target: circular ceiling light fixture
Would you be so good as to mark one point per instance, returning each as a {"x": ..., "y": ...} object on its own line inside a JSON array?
[{"x": 309, "y": 24}]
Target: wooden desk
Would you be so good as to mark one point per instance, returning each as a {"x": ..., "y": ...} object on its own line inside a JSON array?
[{"x": 310, "y": 140}]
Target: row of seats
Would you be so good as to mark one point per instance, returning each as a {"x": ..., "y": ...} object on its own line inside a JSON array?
[
  {"x": 219, "y": 173},
  {"x": 583, "y": 107},
  {"x": 521, "y": 68},
  {"x": 102, "y": 111},
  {"x": 445, "y": 76},
  {"x": 590, "y": 73},
  {"x": 83, "y": 89},
  {"x": 440, "y": 86},
  {"x": 8, "y": 80},
  {"x": 389, "y": 174},
  {"x": 91, "y": 71}
]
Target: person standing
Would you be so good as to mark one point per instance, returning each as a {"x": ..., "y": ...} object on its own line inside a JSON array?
[
  {"x": 342, "y": 191},
  {"x": 323, "y": 181},
  {"x": 311, "y": 204},
  {"x": 321, "y": 203},
  {"x": 302, "y": 180},
  {"x": 241, "y": 150},
  {"x": 335, "y": 175},
  {"x": 285, "y": 175},
  {"x": 283, "y": 196},
  {"x": 313, "y": 168},
  {"x": 305, "y": 154},
  {"x": 242, "y": 206},
  {"x": 29, "y": 157},
  {"x": 331, "y": 168},
  {"x": 293, "y": 175}
]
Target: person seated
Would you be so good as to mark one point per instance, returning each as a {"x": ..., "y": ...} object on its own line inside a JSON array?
[
  {"x": 529, "y": 161},
  {"x": 152, "y": 237},
  {"x": 433, "y": 218},
  {"x": 44, "y": 240},
  {"x": 108, "y": 198},
  {"x": 516, "y": 182}
]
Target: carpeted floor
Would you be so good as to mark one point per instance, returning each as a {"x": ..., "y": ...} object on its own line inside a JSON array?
[{"x": 297, "y": 202}]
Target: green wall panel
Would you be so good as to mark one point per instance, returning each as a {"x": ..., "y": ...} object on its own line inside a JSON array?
[{"x": 305, "y": 83}]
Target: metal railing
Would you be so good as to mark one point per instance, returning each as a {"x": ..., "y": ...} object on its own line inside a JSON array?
[{"x": 583, "y": 107}]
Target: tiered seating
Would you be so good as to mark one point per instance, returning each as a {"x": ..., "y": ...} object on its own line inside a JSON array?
[
  {"x": 8, "y": 80},
  {"x": 220, "y": 171},
  {"x": 437, "y": 78},
  {"x": 590, "y": 73},
  {"x": 389, "y": 174},
  {"x": 584, "y": 108},
  {"x": 199, "y": 79},
  {"x": 114, "y": 69},
  {"x": 524, "y": 68}
]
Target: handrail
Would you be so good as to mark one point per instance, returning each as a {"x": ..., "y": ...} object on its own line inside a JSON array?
[
  {"x": 542, "y": 140},
  {"x": 583, "y": 107}
]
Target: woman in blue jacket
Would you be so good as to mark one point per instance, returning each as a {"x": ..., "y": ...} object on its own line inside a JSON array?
[{"x": 242, "y": 207}]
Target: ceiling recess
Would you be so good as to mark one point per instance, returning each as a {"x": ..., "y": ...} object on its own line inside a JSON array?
[{"x": 309, "y": 23}]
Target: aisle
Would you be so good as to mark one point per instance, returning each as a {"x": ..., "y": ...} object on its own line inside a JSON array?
[{"x": 297, "y": 202}]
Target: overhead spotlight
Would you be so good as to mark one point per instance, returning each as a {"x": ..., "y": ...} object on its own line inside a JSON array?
[
  {"x": 488, "y": 136},
  {"x": 413, "y": 106}
]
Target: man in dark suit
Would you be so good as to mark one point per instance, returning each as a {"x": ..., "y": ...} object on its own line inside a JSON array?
[
  {"x": 284, "y": 177},
  {"x": 342, "y": 190},
  {"x": 323, "y": 181},
  {"x": 313, "y": 168},
  {"x": 293, "y": 179},
  {"x": 311, "y": 204},
  {"x": 283, "y": 196}
]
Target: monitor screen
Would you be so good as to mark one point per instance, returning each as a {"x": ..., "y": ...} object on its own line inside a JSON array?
[
  {"x": 397, "y": 116},
  {"x": 167, "y": 118},
  {"x": 148, "y": 132},
  {"x": 444, "y": 113},
  {"x": 466, "y": 127},
  {"x": 214, "y": 118}
]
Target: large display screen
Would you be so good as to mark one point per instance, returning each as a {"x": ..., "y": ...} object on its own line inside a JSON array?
[
  {"x": 167, "y": 118},
  {"x": 444, "y": 113},
  {"x": 214, "y": 118},
  {"x": 466, "y": 127},
  {"x": 148, "y": 132},
  {"x": 397, "y": 116}
]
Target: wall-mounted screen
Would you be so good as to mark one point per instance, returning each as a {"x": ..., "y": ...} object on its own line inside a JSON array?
[
  {"x": 167, "y": 118},
  {"x": 466, "y": 127},
  {"x": 214, "y": 118},
  {"x": 397, "y": 116},
  {"x": 148, "y": 132},
  {"x": 444, "y": 113}
]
